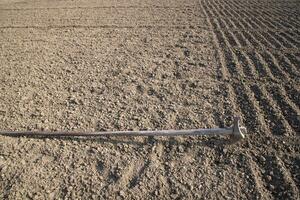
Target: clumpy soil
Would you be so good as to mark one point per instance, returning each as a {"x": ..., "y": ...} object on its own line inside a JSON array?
[{"x": 145, "y": 65}]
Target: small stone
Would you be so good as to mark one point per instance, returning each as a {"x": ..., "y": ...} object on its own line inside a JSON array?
[
  {"x": 73, "y": 100},
  {"x": 181, "y": 149},
  {"x": 51, "y": 195},
  {"x": 122, "y": 193},
  {"x": 120, "y": 146},
  {"x": 23, "y": 162},
  {"x": 262, "y": 159}
]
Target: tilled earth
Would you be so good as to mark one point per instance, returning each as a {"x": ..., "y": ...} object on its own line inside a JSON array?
[{"x": 135, "y": 65}]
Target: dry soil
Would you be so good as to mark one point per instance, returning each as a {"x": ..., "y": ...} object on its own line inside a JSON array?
[{"x": 140, "y": 64}]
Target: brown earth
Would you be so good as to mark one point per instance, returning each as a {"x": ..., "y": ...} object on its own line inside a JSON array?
[{"x": 123, "y": 65}]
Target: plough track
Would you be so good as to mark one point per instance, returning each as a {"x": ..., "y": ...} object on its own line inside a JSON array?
[
  {"x": 264, "y": 64},
  {"x": 263, "y": 78},
  {"x": 276, "y": 178}
]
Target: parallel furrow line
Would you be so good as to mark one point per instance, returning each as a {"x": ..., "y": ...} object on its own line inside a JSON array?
[
  {"x": 269, "y": 23},
  {"x": 274, "y": 40},
  {"x": 249, "y": 39},
  {"x": 253, "y": 23},
  {"x": 291, "y": 117},
  {"x": 269, "y": 63},
  {"x": 258, "y": 4},
  {"x": 293, "y": 163},
  {"x": 288, "y": 108},
  {"x": 233, "y": 19},
  {"x": 272, "y": 69},
  {"x": 236, "y": 41},
  {"x": 283, "y": 40},
  {"x": 249, "y": 14},
  {"x": 262, "y": 71},
  {"x": 292, "y": 40},
  {"x": 288, "y": 178},
  {"x": 238, "y": 24},
  {"x": 282, "y": 71},
  {"x": 281, "y": 127},
  {"x": 257, "y": 178},
  {"x": 295, "y": 34},
  {"x": 242, "y": 40},
  {"x": 275, "y": 18},
  {"x": 208, "y": 10},
  {"x": 294, "y": 94},
  {"x": 265, "y": 41},
  {"x": 222, "y": 117},
  {"x": 243, "y": 28},
  {"x": 276, "y": 122},
  {"x": 247, "y": 26},
  {"x": 259, "y": 48},
  {"x": 276, "y": 180},
  {"x": 233, "y": 41},
  {"x": 247, "y": 104},
  {"x": 228, "y": 109},
  {"x": 260, "y": 23},
  {"x": 294, "y": 60},
  {"x": 230, "y": 23}
]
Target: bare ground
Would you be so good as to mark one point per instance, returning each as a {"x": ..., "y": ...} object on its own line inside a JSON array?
[{"x": 121, "y": 65}]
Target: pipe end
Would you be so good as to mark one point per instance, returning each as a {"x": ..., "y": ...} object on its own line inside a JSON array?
[{"x": 237, "y": 130}]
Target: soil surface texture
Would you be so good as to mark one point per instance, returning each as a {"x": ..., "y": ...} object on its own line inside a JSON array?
[{"x": 89, "y": 65}]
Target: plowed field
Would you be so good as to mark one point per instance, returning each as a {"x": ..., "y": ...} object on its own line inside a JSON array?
[{"x": 140, "y": 64}]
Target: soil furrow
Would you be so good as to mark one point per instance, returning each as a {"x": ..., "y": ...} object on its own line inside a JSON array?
[
  {"x": 294, "y": 94},
  {"x": 293, "y": 40},
  {"x": 295, "y": 61},
  {"x": 257, "y": 178},
  {"x": 262, "y": 72},
  {"x": 293, "y": 163},
  {"x": 274, "y": 120},
  {"x": 260, "y": 49},
  {"x": 265, "y": 41},
  {"x": 243, "y": 94},
  {"x": 242, "y": 40},
  {"x": 228, "y": 108},
  {"x": 264, "y": 102},
  {"x": 273, "y": 40},
  {"x": 284, "y": 41},
  {"x": 252, "y": 40},
  {"x": 270, "y": 63},
  {"x": 288, "y": 110},
  {"x": 274, "y": 178}
]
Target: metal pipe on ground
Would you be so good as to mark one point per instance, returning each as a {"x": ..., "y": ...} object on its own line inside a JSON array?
[{"x": 235, "y": 131}]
